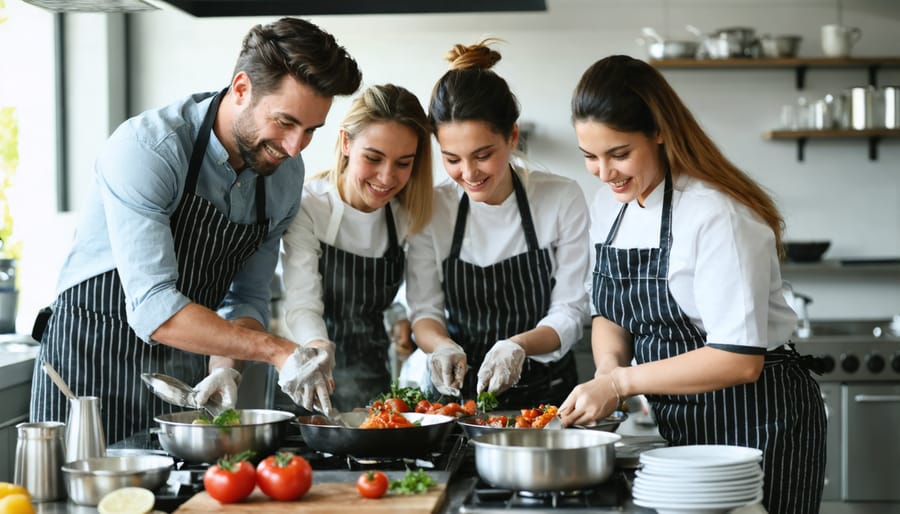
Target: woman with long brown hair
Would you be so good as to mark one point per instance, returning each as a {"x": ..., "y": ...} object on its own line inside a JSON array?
[{"x": 687, "y": 293}]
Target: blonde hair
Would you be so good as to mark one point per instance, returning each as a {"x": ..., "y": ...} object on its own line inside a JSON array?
[
  {"x": 390, "y": 103},
  {"x": 629, "y": 95}
]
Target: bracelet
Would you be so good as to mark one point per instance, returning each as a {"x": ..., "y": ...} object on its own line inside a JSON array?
[{"x": 612, "y": 380}]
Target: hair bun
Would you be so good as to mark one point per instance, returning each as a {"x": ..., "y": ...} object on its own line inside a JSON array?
[{"x": 477, "y": 56}]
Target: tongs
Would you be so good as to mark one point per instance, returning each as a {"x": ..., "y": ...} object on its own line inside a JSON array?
[{"x": 176, "y": 392}]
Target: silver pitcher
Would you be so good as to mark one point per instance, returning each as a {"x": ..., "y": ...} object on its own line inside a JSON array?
[
  {"x": 85, "y": 437},
  {"x": 39, "y": 458}
]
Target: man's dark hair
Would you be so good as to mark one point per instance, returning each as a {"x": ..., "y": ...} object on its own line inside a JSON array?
[{"x": 291, "y": 46}]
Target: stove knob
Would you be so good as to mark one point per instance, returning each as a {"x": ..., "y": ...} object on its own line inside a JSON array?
[
  {"x": 849, "y": 363},
  {"x": 895, "y": 362},
  {"x": 875, "y": 363},
  {"x": 828, "y": 363}
]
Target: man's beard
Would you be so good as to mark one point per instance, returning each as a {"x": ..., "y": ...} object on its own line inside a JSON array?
[{"x": 245, "y": 134}]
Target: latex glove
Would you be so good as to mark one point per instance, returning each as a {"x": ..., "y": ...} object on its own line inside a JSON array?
[
  {"x": 448, "y": 368},
  {"x": 305, "y": 376},
  {"x": 221, "y": 381},
  {"x": 502, "y": 367},
  {"x": 326, "y": 348}
]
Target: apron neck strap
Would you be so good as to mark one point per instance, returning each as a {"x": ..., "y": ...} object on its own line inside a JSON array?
[
  {"x": 201, "y": 142},
  {"x": 524, "y": 212}
]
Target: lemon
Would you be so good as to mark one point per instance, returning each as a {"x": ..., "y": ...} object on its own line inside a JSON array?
[
  {"x": 127, "y": 500},
  {"x": 7, "y": 488}
]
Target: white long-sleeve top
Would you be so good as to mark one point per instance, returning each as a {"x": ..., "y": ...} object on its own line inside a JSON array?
[
  {"x": 324, "y": 217},
  {"x": 723, "y": 268},
  {"x": 494, "y": 233}
]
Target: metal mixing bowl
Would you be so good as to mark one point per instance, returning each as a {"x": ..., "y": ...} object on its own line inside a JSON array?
[
  {"x": 88, "y": 481},
  {"x": 260, "y": 430},
  {"x": 545, "y": 460}
]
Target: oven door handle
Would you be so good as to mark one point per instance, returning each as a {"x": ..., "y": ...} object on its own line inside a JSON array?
[{"x": 877, "y": 398}]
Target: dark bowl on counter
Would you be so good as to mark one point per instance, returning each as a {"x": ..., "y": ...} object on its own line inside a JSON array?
[{"x": 805, "y": 251}]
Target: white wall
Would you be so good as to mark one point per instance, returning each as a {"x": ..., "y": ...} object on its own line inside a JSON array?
[{"x": 836, "y": 193}]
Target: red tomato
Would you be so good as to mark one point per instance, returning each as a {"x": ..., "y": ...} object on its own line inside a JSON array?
[
  {"x": 470, "y": 407},
  {"x": 372, "y": 484},
  {"x": 423, "y": 406},
  {"x": 284, "y": 476},
  {"x": 396, "y": 405},
  {"x": 230, "y": 480}
]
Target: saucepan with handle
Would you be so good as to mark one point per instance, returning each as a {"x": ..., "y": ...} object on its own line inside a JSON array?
[{"x": 426, "y": 436}]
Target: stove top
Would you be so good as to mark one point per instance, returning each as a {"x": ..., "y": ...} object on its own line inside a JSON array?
[{"x": 606, "y": 497}]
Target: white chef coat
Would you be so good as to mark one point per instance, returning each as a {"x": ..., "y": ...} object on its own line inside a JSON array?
[
  {"x": 494, "y": 233},
  {"x": 723, "y": 268},
  {"x": 324, "y": 217}
]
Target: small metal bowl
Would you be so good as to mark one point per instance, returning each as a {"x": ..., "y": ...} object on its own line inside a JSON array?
[{"x": 88, "y": 481}]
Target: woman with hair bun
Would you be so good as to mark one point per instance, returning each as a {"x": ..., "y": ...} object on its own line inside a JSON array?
[
  {"x": 495, "y": 282},
  {"x": 687, "y": 284},
  {"x": 343, "y": 254}
]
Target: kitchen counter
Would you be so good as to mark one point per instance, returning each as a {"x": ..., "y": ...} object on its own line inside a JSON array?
[{"x": 17, "y": 354}]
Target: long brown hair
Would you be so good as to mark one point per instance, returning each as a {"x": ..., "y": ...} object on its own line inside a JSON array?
[{"x": 629, "y": 95}]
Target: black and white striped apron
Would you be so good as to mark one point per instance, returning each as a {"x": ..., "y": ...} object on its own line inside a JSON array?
[
  {"x": 356, "y": 291},
  {"x": 487, "y": 304},
  {"x": 88, "y": 339},
  {"x": 782, "y": 413}
]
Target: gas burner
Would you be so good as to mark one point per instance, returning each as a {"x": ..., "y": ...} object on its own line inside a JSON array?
[{"x": 607, "y": 497}]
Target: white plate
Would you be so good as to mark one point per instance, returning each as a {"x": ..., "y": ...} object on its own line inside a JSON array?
[
  {"x": 717, "y": 487},
  {"x": 666, "y": 506},
  {"x": 752, "y": 473},
  {"x": 696, "y": 497},
  {"x": 701, "y": 456}
]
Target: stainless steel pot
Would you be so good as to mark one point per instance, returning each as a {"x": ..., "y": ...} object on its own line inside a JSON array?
[
  {"x": 672, "y": 49},
  {"x": 545, "y": 460},
  {"x": 260, "y": 431},
  {"x": 322, "y": 435},
  {"x": 780, "y": 46}
]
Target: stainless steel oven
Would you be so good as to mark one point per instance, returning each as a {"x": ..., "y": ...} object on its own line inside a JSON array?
[{"x": 861, "y": 390}]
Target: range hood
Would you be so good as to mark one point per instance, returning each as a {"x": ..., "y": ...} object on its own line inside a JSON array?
[{"x": 210, "y": 8}]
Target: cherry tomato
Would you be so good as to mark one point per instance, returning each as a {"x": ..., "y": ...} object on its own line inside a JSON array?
[
  {"x": 284, "y": 476},
  {"x": 423, "y": 406},
  {"x": 470, "y": 407},
  {"x": 396, "y": 405},
  {"x": 231, "y": 479},
  {"x": 372, "y": 484}
]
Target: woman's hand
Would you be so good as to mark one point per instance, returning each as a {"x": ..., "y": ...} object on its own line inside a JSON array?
[
  {"x": 448, "y": 368},
  {"x": 590, "y": 401}
]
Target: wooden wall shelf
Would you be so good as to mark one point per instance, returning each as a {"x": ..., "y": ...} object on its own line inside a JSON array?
[
  {"x": 800, "y": 64},
  {"x": 873, "y": 135}
]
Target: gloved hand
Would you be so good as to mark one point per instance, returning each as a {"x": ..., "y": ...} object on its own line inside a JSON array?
[
  {"x": 448, "y": 368},
  {"x": 306, "y": 376},
  {"x": 502, "y": 367},
  {"x": 224, "y": 381}
]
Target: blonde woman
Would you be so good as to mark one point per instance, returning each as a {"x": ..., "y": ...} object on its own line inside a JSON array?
[
  {"x": 344, "y": 258},
  {"x": 496, "y": 282},
  {"x": 686, "y": 283}
]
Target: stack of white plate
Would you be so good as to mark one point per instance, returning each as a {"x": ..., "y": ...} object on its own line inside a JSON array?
[{"x": 707, "y": 479}]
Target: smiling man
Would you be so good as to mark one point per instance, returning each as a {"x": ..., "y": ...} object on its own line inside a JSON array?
[{"x": 171, "y": 264}]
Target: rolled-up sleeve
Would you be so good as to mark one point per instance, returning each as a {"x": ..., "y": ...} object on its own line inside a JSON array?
[{"x": 138, "y": 190}]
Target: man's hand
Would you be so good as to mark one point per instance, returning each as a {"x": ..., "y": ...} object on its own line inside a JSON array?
[{"x": 223, "y": 382}]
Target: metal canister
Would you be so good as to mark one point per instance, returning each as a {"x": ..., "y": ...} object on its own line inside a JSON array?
[
  {"x": 40, "y": 451},
  {"x": 890, "y": 98},
  {"x": 860, "y": 106}
]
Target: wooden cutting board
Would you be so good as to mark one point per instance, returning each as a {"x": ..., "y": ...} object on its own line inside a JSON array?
[{"x": 324, "y": 498}]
